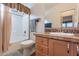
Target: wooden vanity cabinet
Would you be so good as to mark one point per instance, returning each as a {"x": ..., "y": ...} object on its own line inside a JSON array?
[
  {"x": 50, "y": 47},
  {"x": 47, "y": 46}
]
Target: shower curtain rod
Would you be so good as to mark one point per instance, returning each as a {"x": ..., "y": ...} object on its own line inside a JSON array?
[{"x": 19, "y": 7}]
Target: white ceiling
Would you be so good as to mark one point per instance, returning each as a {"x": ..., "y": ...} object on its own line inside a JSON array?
[
  {"x": 50, "y": 5},
  {"x": 47, "y": 5}
]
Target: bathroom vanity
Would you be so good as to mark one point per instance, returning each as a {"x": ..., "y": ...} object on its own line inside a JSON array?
[{"x": 57, "y": 44}]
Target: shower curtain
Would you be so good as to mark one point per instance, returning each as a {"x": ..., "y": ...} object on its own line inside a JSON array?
[
  {"x": 6, "y": 29},
  {"x": 0, "y": 31}
]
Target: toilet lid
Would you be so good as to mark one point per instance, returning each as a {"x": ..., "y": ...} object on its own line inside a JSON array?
[{"x": 27, "y": 42}]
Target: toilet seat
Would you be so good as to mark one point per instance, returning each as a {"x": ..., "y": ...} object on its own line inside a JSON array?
[{"x": 27, "y": 43}]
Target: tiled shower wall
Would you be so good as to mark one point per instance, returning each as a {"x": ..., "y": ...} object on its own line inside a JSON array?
[{"x": 19, "y": 25}]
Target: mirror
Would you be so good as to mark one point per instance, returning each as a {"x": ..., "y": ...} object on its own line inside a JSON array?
[{"x": 47, "y": 24}]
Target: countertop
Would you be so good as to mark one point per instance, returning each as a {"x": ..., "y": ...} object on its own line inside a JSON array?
[{"x": 69, "y": 38}]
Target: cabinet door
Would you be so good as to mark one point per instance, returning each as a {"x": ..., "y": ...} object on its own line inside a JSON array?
[{"x": 58, "y": 48}]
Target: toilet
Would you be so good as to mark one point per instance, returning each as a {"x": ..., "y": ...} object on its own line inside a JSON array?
[{"x": 27, "y": 47}]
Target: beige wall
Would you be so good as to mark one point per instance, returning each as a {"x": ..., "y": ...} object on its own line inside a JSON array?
[
  {"x": 56, "y": 11},
  {"x": 54, "y": 14},
  {"x": 38, "y": 10}
]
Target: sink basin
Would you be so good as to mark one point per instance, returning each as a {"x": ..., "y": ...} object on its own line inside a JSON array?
[{"x": 61, "y": 34}]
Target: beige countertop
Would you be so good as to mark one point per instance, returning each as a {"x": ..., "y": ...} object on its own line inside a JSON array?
[{"x": 70, "y": 38}]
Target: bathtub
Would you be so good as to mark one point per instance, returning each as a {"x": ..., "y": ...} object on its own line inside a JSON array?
[{"x": 15, "y": 39}]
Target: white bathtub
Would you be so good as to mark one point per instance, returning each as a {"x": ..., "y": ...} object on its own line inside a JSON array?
[{"x": 16, "y": 39}]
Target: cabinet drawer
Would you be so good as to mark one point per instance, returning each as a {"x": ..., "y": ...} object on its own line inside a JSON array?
[
  {"x": 39, "y": 43},
  {"x": 39, "y": 48},
  {"x": 39, "y": 40},
  {"x": 45, "y": 41},
  {"x": 39, "y": 54},
  {"x": 45, "y": 51}
]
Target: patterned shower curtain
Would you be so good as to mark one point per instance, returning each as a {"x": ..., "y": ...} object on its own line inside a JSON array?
[{"x": 6, "y": 31}]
